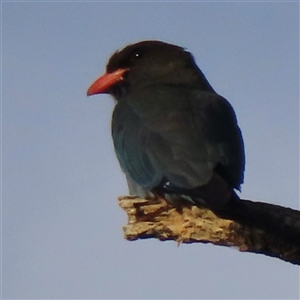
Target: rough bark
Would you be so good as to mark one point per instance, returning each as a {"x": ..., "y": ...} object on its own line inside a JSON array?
[{"x": 253, "y": 227}]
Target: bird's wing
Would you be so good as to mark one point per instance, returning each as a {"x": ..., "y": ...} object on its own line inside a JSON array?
[{"x": 177, "y": 134}]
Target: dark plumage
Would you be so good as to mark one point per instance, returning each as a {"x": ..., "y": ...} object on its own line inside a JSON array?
[{"x": 173, "y": 134}]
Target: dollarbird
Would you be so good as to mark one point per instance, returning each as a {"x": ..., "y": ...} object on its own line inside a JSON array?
[{"x": 173, "y": 135}]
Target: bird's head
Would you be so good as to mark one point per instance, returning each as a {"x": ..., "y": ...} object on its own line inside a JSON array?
[{"x": 148, "y": 63}]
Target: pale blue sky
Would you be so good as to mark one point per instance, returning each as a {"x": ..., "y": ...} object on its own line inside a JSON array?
[{"x": 62, "y": 227}]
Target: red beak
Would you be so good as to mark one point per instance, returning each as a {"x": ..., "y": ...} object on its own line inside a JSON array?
[{"x": 102, "y": 84}]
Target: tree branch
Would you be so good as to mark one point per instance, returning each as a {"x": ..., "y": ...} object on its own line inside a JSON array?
[{"x": 253, "y": 227}]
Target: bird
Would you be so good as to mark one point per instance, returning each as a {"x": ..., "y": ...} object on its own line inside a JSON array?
[{"x": 174, "y": 135}]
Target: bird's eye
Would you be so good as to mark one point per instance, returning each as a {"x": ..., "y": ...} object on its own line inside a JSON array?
[{"x": 137, "y": 54}]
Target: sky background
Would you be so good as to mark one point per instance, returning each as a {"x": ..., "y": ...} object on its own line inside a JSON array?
[{"x": 62, "y": 232}]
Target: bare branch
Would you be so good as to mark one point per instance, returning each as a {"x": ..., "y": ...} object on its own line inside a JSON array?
[{"x": 257, "y": 227}]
